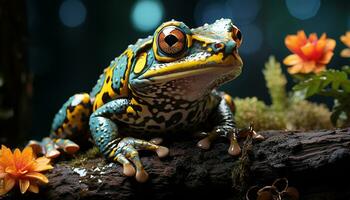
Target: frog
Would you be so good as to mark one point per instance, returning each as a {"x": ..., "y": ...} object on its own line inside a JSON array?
[{"x": 163, "y": 84}]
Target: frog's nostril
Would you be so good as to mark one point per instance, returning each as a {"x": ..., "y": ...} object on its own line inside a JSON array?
[{"x": 219, "y": 45}]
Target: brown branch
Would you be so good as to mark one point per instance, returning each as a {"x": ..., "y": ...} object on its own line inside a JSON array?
[{"x": 316, "y": 163}]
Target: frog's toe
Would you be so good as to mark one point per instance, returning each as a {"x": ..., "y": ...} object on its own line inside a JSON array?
[
  {"x": 234, "y": 148},
  {"x": 67, "y": 145},
  {"x": 36, "y": 146},
  {"x": 156, "y": 141},
  {"x": 128, "y": 169},
  {"x": 205, "y": 143},
  {"x": 162, "y": 151},
  {"x": 50, "y": 147},
  {"x": 250, "y": 131},
  {"x": 126, "y": 153},
  {"x": 257, "y": 136},
  {"x": 131, "y": 153},
  {"x": 144, "y": 145}
]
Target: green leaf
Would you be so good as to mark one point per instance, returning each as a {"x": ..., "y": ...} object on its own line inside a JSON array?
[
  {"x": 337, "y": 111},
  {"x": 313, "y": 87},
  {"x": 300, "y": 86},
  {"x": 325, "y": 82},
  {"x": 346, "y": 86},
  {"x": 346, "y": 69}
]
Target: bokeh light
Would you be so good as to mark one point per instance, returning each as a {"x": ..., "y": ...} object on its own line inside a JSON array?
[
  {"x": 252, "y": 39},
  {"x": 72, "y": 13},
  {"x": 302, "y": 9},
  {"x": 244, "y": 12},
  {"x": 208, "y": 12},
  {"x": 147, "y": 14}
]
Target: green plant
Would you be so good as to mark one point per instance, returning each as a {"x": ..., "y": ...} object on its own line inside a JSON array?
[
  {"x": 285, "y": 112},
  {"x": 251, "y": 110},
  {"x": 330, "y": 83},
  {"x": 276, "y": 83},
  {"x": 306, "y": 115}
]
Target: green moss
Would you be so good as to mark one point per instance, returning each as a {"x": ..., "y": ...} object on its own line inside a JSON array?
[
  {"x": 276, "y": 83},
  {"x": 300, "y": 115},
  {"x": 305, "y": 115},
  {"x": 80, "y": 159},
  {"x": 252, "y": 111}
]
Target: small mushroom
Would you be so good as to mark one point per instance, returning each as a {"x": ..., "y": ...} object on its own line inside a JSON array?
[
  {"x": 291, "y": 193},
  {"x": 252, "y": 193},
  {"x": 280, "y": 184}
]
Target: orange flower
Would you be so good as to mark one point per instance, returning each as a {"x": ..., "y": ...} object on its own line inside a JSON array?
[
  {"x": 346, "y": 40},
  {"x": 23, "y": 167},
  {"x": 310, "y": 54}
]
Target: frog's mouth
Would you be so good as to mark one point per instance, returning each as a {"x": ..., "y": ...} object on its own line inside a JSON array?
[{"x": 215, "y": 64}]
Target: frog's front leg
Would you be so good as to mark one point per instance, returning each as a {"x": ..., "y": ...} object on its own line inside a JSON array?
[
  {"x": 224, "y": 126},
  {"x": 123, "y": 150}
]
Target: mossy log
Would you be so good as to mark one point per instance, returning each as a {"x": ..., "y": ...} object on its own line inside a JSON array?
[{"x": 316, "y": 163}]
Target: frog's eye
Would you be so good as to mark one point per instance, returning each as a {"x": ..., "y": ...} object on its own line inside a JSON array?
[
  {"x": 237, "y": 36},
  {"x": 171, "y": 40}
]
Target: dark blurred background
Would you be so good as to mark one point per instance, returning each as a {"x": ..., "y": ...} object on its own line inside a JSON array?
[{"x": 67, "y": 44}]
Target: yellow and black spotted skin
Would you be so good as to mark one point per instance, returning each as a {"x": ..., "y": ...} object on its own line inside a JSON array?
[{"x": 164, "y": 83}]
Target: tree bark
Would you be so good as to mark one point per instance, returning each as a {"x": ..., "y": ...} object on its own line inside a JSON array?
[{"x": 316, "y": 163}]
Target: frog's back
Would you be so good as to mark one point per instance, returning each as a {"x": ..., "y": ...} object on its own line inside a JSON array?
[{"x": 113, "y": 82}]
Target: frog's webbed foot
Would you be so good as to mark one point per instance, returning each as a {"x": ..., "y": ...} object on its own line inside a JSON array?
[
  {"x": 230, "y": 133},
  {"x": 50, "y": 147},
  {"x": 126, "y": 153}
]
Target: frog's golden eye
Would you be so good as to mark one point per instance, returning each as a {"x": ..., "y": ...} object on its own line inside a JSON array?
[
  {"x": 237, "y": 36},
  {"x": 171, "y": 40}
]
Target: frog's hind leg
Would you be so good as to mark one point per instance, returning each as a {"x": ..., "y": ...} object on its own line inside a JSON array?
[{"x": 70, "y": 124}]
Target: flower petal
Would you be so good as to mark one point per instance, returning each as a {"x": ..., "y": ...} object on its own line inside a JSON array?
[
  {"x": 11, "y": 170},
  {"x": 345, "y": 53},
  {"x": 292, "y": 60},
  {"x": 302, "y": 36},
  {"x": 8, "y": 184},
  {"x": 346, "y": 39},
  {"x": 320, "y": 68},
  {"x": 27, "y": 154},
  {"x": 295, "y": 69},
  {"x": 320, "y": 48},
  {"x": 42, "y": 164},
  {"x": 38, "y": 176},
  {"x": 6, "y": 158},
  {"x": 293, "y": 43},
  {"x": 308, "y": 49},
  {"x": 2, "y": 175},
  {"x": 42, "y": 167},
  {"x": 313, "y": 37},
  {"x": 43, "y": 160},
  {"x": 33, "y": 188},
  {"x": 308, "y": 67},
  {"x": 330, "y": 45},
  {"x": 323, "y": 36},
  {"x": 17, "y": 154},
  {"x": 326, "y": 58},
  {"x": 24, "y": 185}
]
